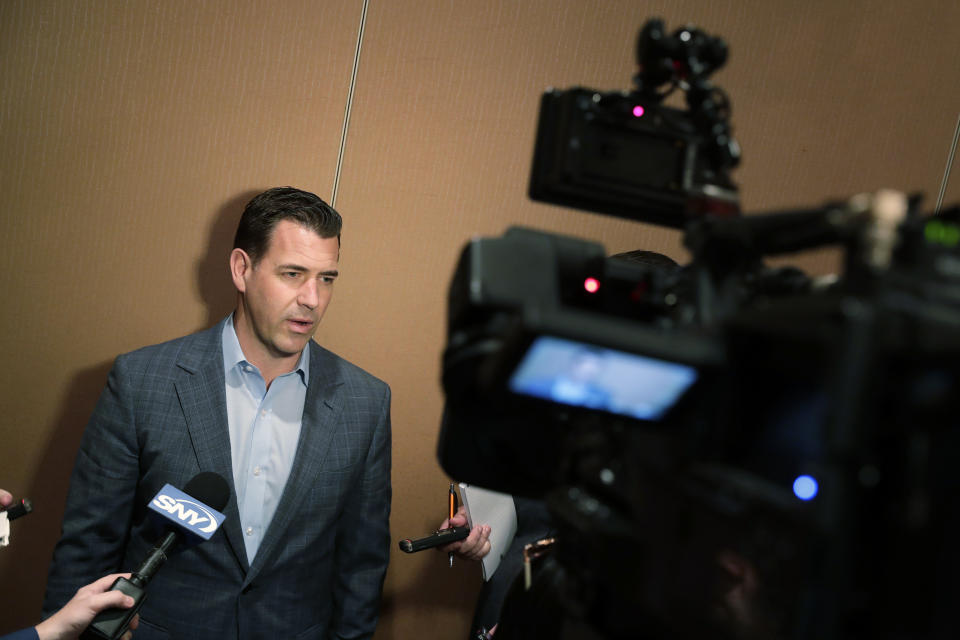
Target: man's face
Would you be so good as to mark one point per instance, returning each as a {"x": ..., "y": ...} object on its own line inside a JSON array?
[{"x": 285, "y": 294}]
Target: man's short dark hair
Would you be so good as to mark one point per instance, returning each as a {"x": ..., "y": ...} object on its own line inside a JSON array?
[
  {"x": 652, "y": 258},
  {"x": 264, "y": 211}
]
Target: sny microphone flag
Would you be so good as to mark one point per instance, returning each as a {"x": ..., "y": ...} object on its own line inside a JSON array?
[{"x": 186, "y": 512}]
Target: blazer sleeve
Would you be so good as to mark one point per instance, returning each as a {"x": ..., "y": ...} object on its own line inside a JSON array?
[
  {"x": 24, "y": 634},
  {"x": 103, "y": 486},
  {"x": 363, "y": 537}
]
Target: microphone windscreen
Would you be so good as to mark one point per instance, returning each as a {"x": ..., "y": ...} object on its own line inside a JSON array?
[{"x": 209, "y": 488}]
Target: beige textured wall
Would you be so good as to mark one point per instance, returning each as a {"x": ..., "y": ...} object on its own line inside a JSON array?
[{"x": 132, "y": 133}]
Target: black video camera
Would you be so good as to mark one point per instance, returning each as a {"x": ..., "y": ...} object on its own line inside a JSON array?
[
  {"x": 630, "y": 155},
  {"x": 728, "y": 450}
]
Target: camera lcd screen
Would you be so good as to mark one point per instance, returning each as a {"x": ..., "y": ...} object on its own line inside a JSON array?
[{"x": 584, "y": 375}]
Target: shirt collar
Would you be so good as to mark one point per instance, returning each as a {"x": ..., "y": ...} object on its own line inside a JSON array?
[{"x": 233, "y": 353}]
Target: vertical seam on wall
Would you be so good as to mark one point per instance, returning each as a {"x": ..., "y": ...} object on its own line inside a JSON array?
[
  {"x": 346, "y": 113},
  {"x": 946, "y": 172}
]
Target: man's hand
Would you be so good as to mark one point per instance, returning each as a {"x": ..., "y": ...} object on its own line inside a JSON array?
[
  {"x": 6, "y": 499},
  {"x": 474, "y": 546},
  {"x": 76, "y": 615}
]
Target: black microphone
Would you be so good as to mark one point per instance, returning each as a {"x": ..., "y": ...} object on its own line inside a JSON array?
[
  {"x": 23, "y": 508},
  {"x": 189, "y": 515},
  {"x": 435, "y": 539}
]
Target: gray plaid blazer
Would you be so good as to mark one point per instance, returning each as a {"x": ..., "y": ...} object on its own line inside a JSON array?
[{"x": 162, "y": 419}]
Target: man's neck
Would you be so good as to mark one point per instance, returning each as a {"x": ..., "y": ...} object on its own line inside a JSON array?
[{"x": 271, "y": 365}]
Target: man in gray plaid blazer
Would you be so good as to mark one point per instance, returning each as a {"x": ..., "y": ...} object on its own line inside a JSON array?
[{"x": 301, "y": 436}]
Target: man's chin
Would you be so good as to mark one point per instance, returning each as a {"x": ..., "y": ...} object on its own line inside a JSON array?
[
  {"x": 297, "y": 345},
  {"x": 292, "y": 345}
]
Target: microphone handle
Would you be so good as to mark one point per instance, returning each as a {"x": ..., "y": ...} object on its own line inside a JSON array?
[
  {"x": 111, "y": 624},
  {"x": 155, "y": 560}
]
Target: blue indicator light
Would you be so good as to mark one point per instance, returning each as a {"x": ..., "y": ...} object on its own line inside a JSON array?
[{"x": 805, "y": 487}]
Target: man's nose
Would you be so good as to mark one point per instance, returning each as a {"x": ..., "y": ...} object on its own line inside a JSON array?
[{"x": 309, "y": 294}]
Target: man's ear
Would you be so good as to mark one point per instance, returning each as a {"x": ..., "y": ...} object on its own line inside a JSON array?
[{"x": 240, "y": 267}]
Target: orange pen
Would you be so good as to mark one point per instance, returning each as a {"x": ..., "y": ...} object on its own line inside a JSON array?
[{"x": 452, "y": 504}]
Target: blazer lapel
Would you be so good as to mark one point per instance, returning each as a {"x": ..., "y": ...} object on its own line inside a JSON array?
[
  {"x": 204, "y": 404},
  {"x": 321, "y": 409}
]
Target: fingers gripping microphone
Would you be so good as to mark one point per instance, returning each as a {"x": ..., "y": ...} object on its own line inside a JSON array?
[{"x": 190, "y": 515}]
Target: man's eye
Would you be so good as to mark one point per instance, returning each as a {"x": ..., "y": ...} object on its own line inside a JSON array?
[{"x": 291, "y": 274}]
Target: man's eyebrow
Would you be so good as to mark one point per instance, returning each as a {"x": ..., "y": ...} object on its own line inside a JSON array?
[{"x": 296, "y": 267}]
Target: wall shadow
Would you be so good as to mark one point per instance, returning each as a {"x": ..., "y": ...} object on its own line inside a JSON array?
[{"x": 214, "y": 286}]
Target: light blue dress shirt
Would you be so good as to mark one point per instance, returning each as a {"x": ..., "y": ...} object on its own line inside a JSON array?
[{"x": 264, "y": 431}]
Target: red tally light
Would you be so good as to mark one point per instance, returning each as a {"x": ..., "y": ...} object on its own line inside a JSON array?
[
  {"x": 592, "y": 285},
  {"x": 638, "y": 111}
]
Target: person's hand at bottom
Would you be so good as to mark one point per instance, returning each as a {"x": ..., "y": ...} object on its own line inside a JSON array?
[{"x": 75, "y": 616}]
